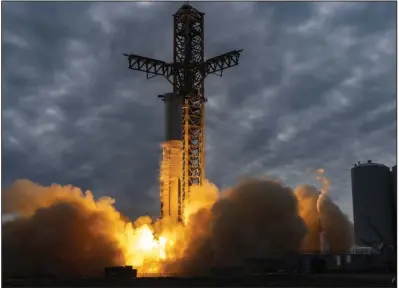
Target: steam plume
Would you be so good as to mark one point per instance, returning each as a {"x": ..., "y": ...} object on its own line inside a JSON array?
[
  {"x": 315, "y": 206},
  {"x": 325, "y": 188}
]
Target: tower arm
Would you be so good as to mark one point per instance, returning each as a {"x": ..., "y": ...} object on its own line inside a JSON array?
[
  {"x": 221, "y": 62},
  {"x": 152, "y": 67}
]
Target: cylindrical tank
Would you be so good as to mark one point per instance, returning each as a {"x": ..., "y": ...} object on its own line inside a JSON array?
[
  {"x": 395, "y": 205},
  {"x": 173, "y": 107},
  {"x": 372, "y": 204},
  {"x": 394, "y": 178}
]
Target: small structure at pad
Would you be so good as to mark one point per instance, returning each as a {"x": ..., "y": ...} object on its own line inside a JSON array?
[{"x": 120, "y": 272}]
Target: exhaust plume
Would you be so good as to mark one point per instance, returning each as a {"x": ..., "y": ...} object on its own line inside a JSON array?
[
  {"x": 258, "y": 218},
  {"x": 60, "y": 231},
  {"x": 64, "y": 232}
]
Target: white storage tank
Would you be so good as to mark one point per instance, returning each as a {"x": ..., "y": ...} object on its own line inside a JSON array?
[{"x": 372, "y": 204}]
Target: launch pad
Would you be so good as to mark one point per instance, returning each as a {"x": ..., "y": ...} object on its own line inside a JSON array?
[
  {"x": 366, "y": 280},
  {"x": 185, "y": 107}
]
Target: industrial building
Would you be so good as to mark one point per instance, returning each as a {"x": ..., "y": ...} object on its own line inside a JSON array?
[{"x": 374, "y": 205}]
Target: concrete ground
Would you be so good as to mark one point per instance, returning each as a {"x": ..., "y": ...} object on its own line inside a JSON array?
[{"x": 272, "y": 280}]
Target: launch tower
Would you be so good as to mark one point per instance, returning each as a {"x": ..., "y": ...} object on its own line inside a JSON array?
[{"x": 186, "y": 74}]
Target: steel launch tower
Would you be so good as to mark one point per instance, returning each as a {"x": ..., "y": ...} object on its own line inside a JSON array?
[{"x": 186, "y": 74}]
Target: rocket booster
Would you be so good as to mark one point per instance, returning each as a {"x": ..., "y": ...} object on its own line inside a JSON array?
[
  {"x": 172, "y": 156},
  {"x": 173, "y": 116}
]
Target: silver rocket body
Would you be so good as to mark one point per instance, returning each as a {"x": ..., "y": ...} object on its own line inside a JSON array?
[
  {"x": 173, "y": 115},
  {"x": 172, "y": 156}
]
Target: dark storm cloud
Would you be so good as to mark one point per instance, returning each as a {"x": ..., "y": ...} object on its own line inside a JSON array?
[{"x": 315, "y": 88}]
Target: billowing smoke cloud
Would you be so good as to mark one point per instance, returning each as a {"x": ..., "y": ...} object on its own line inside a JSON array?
[
  {"x": 62, "y": 231},
  {"x": 336, "y": 225},
  {"x": 338, "y": 228},
  {"x": 307, "y": 199},
  {"x": 259, "y": 218}
]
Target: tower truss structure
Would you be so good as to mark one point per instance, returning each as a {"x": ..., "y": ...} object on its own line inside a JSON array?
[{"x": 187, "y": 74}]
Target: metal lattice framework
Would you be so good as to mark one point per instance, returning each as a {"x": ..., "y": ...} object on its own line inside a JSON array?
[{"x": 187, "y": 74}]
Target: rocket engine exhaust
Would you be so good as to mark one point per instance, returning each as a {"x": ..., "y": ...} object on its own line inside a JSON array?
[{"x": 65, "y": 232}]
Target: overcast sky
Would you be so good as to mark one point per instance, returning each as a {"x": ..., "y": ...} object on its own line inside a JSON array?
[{"x": 316, "y": 87}]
